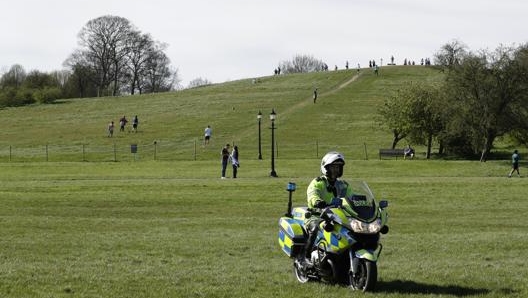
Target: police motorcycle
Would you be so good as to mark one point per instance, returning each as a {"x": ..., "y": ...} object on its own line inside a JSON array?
[{"x": 347, "y": 247}]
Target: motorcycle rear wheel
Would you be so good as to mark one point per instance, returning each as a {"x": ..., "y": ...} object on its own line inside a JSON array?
[
  {"x": 300, "y": 272},
  {"x": 365, "y": 279}
]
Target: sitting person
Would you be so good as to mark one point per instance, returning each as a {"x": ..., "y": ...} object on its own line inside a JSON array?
[
  {"x": 408, "y": 151},
  {"x": 325, "y": 190}
]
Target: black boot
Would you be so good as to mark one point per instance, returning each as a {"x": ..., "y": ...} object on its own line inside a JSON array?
[
  {"x": 312, "y": 235},
  {"x": 304, "y": 258}
]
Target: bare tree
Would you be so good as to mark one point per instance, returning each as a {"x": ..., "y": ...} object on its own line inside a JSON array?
[
  {"x": 61, "y": 77},
  {"x": 302, "y": 64},
  {"x": 14, "y": 77},
  {"x": 119, "y": 58},
  {"x": 104, "y": 46},
  {"x": 198, "y": 82},
  {"x": 159, "y": 76},
  {"x": 451, "y": 54},
  {"x": 83, "y": 81},
  {"x": 141, "y": 48}
]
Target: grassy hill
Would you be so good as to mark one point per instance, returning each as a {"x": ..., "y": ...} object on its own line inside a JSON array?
[{"x": 342, "y": 118}]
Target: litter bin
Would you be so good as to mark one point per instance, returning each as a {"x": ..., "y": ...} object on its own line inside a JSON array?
[{"x": 133, "y": 148}]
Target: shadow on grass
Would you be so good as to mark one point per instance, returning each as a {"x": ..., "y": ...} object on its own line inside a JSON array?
[{"x": 411, "y": 287}]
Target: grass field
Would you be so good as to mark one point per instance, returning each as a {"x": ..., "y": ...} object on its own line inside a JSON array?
[
  {"x": 173, "y": 229},
  {"x": 169, "y": 227}
]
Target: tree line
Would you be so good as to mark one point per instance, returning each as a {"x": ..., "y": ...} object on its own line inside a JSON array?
[
  {"x": 113, "y": 58},
  {"x": 483, "y": 96}
]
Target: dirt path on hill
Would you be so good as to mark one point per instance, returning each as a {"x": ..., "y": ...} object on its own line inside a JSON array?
[{"x": 309, "y": 100}]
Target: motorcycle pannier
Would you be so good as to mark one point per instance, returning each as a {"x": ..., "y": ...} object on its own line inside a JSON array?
[{"x": 292, "y": 237}]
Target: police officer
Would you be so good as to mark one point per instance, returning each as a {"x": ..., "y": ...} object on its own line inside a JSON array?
[{"x": 325, "y": 190}]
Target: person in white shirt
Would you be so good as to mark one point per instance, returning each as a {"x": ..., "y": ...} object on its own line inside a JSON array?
[{"x": 208, "y": 131}]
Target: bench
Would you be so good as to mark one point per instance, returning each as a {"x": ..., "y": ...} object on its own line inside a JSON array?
[{"x": 391, "y": 153}]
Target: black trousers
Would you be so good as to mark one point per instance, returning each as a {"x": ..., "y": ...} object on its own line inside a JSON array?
[{"x": 235, "y": 169}]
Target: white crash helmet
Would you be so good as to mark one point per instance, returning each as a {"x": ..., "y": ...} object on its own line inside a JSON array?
[{"x": 329, "y": 158}]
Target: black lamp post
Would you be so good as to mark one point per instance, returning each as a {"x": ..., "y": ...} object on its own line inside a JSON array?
[
  {"x": 259, "y": 117},
  {"x": 272, "y": 118}
]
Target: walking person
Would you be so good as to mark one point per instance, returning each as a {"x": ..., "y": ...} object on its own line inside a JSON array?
[
  {"x": 111, "y": 129},
  {"x": 135, "y": 123},
  {"x": 315, "y": 95},
  {"x": 207, "y": 134},
  {"x": 122, "y": 122},
  {"x": 515, "y": 163},
  {"x": 225, "y": 159},
  {"x": 234, "y": 161}
]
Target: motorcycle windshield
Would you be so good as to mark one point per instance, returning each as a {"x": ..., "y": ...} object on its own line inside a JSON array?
[{"x": 361, "y": 204}]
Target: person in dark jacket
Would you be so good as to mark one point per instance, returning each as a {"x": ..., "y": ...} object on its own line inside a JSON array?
[{"x": 234, "y": 161}]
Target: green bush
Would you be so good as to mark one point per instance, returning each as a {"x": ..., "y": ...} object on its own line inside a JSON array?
[
  {"x": 24, "y": 97},
  {"x": 13, "y": 97},
  {"x": 47, "y": 95}
]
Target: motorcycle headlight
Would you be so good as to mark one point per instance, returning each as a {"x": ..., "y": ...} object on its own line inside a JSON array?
[{"x": 365, "y": 227}]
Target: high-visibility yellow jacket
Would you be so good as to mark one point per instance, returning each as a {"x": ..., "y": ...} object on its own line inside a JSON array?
[{"x": 320, "y": 190}]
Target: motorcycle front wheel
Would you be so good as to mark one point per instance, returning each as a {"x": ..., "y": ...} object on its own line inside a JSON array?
[{"x": 366, "y": 277}]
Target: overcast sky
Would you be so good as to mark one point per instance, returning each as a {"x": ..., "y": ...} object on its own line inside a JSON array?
[{"x": 222, "y": 40}]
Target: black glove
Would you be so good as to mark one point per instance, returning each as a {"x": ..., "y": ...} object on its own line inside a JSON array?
[
  {"x": 337, "y": 202},
  {"x": 320, "y": 204}
]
